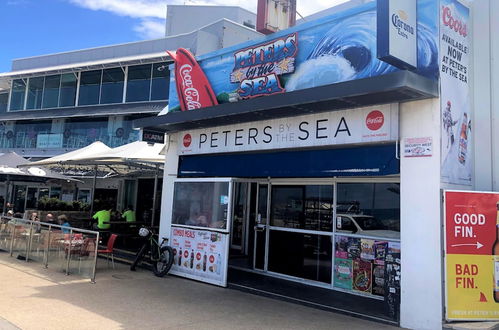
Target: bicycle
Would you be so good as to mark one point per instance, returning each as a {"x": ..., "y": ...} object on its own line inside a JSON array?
[{"x": 161, "y": 255}]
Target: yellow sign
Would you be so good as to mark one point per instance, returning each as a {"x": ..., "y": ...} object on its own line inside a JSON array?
[{"x": 470, "y": 279}]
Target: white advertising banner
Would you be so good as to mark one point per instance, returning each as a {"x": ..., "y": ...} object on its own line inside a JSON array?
[
  {"x": 361, "y": 125},
  {"x": 457, "y": 161},
  {"x": 200, "y": 255},
  {"x": 403, "y": 31},
  {"x": 397, "y": 32}
]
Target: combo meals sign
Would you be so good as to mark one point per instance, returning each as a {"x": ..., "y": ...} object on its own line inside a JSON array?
[{"x": 361, "y": 125}]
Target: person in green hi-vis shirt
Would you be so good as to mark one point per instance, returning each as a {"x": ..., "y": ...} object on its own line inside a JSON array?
[
  {"x": 129, "y": 215},
  {"x": 102, "y": 217}
]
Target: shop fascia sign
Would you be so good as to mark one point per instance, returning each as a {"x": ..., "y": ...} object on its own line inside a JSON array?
[
  {"x": 257, "y": 68},
  {"x": 397, "y": 33},
  {"x": 354, "y": 126}
]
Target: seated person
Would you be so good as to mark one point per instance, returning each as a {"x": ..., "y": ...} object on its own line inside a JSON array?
[
  {"x": 34, "y": 217},
  {"x": 49, "y": 218},
  {"x": 129, "y": 215},
  {"x": 103, "y": 217},
  {"x": 202, "y": 221},
  {"x": 62, "y": 220}
]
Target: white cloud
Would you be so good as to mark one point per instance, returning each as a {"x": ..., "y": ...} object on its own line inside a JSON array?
[
  {"x": 152, "y": 13},
  {"x": 150, "y": 29},
  {"x": 131, "y": 8}
]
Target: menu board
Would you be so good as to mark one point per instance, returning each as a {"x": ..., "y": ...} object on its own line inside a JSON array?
[{"x": 200, "y": 255}]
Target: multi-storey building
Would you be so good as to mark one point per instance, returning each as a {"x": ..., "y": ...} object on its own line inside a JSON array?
[{"x": 54, "y": 103}]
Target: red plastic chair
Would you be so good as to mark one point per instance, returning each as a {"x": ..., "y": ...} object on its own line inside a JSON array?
[{"x": 109, "y": 250}]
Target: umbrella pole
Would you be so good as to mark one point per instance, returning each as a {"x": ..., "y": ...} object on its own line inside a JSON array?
[
  {"x": 93, "y": 191},
  {"x": 6, "y": 199},
  {"x": 154, "y": 196}
]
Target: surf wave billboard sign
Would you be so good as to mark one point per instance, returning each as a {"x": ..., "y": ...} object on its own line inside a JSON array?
[
  {"x": 257, "y": 68},
  {"x": 333, "y": 49}
]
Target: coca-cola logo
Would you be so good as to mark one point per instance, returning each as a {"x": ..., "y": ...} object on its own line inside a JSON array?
[
  {"x": 187, "y": 140},
  {"x": 453, "y": 23},
  {"x": 191, "y": 94},
  {"x": 375, "y": 120}
]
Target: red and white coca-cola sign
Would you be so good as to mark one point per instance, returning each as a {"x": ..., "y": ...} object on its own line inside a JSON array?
[
  {"x": 191, "y": 94},
  {"x": 187, "y": 140},
  {"x": 375, "y": 120},
  {"x": 193, "y": 88},
  {"x": 453, "y": 23}
]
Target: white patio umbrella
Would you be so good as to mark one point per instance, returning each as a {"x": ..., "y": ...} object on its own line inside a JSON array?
[
  {"x": 120, "y": 160},
  {"x": 136, "y": 152},
  {"x": 73, "y": 157}
]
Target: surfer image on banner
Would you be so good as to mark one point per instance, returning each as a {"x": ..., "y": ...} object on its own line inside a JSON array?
[{"x": 449, "y": 124}]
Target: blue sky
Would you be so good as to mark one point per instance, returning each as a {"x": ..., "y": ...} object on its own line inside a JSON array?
[{"x": 38, "y": 27}]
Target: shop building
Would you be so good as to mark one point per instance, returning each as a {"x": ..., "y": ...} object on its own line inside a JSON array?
[{"x": 322, "y": 161}]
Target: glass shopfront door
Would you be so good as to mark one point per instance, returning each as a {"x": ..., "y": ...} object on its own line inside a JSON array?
[{"x": 338, "y": 234}]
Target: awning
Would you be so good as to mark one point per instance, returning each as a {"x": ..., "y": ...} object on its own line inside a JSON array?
[
  {"x": 9, "y": 170},
  {"x": 401, "y": 86}
]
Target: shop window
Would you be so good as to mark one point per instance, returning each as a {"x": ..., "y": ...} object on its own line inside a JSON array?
[
  {"x": 35, "y": 93},
  {"x": 80, "y": 133},
  {"x": 4, "y": 101},
  {"x": 17, "y": 96},
  {"x": 26, "y": 135},
  {"x": 43, "y": 192},
  {"x": 201, "y": 204},
  {"x": 112, "y": 86},
  {"x": 374, "y": 207},
  {"x": 67, "y": 94},
  {"x": 139, "y": 83},
  {"x": 367, "y": 247},
  {"x": 160, "y": 85},
  {"x": 84, "y": 195},
  {"x": 308, "y": 207},
  {"x": 90, "y": 82},
  {"x": 51, "y": 91},
  {"x": 55, "y": 192}
]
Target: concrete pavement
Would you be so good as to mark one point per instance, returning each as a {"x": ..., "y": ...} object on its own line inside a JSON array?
[{"x": 35, "y": 298}]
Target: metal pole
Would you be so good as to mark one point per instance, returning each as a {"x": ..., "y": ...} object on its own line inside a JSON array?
[
  {"x": 93, "y": 191},
  {"x": 6, "y": 199},
  {"x": 30, "y": 241},
  {"x": 69, "y": 250},
  {"x": 154, "y": 196},
  {"x": 92, "y": 280},
  {"x": 12, "y": 238},
  {"x": 47, "y": 247}
]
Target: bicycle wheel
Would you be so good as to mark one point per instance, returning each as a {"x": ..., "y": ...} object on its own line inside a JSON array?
[
  {"x": 164, "y": 263},
  {"x": 138, "y": 257}
]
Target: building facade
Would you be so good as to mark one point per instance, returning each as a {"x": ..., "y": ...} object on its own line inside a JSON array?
[{"x": 324, "y": 162}]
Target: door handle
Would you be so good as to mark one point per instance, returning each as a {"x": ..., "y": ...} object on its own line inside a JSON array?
[{"x": 260, "y": 228}]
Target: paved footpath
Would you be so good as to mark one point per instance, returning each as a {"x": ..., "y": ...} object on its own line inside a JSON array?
[{"x": 35, "y": 298}]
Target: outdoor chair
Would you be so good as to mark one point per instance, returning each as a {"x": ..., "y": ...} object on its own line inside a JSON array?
[
  {"x": 109, "y": 249},
  {"x": 85, "y": 250}
]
